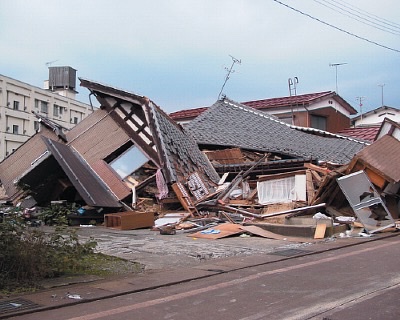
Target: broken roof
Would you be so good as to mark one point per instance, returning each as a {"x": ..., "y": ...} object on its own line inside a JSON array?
[
  {"x": 154, "y": 133},
  {"x": 383, "y": 156},
  {"x": 85, "y": 181},
  {"x": 229, "y": 123},
  {"x": 58, "y": 130}
]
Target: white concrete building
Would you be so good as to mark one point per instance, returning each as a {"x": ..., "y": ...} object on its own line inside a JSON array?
[{"x": 18, "y": 101}]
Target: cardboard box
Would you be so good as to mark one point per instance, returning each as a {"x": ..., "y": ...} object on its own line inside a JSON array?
[{"x": 129, "y": 220}]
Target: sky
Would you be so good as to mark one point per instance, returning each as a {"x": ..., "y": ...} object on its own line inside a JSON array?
[{"x": 178, "y": 52}]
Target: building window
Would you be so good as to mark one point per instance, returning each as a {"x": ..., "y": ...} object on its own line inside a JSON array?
[
  {"x": 16, "y": 105},
  {"x": 75, "y": 120},
  {"x": 44, "y": 107},
  {"x": 288, "y": 120},
  {"x": 55, "y": 110},
  {"x": 36, "y": 126},
  {"x": 15, "y": 129},
  {"x": 318, "y": 122},
  {"x": 126, "y": 160},
  {"x": 36, "y": 103}
]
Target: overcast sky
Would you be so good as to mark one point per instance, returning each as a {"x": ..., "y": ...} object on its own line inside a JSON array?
[{"x": 177, "y": 52}]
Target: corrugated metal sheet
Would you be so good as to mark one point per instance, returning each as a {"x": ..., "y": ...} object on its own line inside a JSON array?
[
  {"x": 383, "y": 155},
  {"x": 62, "y": 77},
  {"x": 88, "y": 185}
]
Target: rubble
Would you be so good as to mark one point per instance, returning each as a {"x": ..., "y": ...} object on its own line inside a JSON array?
[{"x": 231, "y": 171}]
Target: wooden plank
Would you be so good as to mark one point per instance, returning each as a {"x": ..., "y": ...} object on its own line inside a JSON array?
[
  {"x": 252, "y": 194},
  {"x": 183, "y": 197},
  {"x": 293, "y": 210},
  {"x": 258, "y": 231},
  {"x": 320, "y": 231},
  {"x": 316, "y": 176},
  {"x": 317, "y": 168},
  {"x": 218, "y": 232},
  {"x": 280, "y": 175},
  {"x": 310, "y": 187}
]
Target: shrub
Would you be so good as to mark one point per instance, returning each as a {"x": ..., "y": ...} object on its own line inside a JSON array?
[
  {"x": 56, "y": 214},
  {"x": 29, "y": 254}
]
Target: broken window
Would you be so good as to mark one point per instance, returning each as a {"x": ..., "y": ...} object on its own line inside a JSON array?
[{"x": 126, "y": 160}]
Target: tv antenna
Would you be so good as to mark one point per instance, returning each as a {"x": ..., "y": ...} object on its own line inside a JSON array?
[
  {"x": 49, "y": 63},
  {"x": 360, "y": 104},
  {"x": 336, "y": 65},
  {"x": 292, "y": 85},
  {"x": 229, "y": 71}
]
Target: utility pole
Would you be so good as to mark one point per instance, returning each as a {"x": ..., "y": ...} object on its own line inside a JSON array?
[
  {"x": 336, "y": 65},
  {"x": 230, "y": 70},
  {"x": 381, "y": 85}
]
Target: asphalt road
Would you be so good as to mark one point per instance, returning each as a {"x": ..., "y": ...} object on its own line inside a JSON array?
[{"x": 357, "y": 282}]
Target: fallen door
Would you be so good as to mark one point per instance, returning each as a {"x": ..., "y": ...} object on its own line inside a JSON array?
[{"x": 367, "y": 204}]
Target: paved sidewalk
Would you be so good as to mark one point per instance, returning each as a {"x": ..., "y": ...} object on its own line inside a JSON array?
[{"x": 239, "y": 253}]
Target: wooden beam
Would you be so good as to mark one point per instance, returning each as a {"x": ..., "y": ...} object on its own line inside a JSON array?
[{"x": 310, "y": 187}]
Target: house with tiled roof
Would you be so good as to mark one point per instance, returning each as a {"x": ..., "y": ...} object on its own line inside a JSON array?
[
  {"x": 376, "y": 116},
  {"x": 322, "y": 110},
  {"x": 231, "y": 124}
]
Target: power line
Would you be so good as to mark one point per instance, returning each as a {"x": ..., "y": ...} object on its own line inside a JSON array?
[
  {"x": 359, "y": 17},
  {"x": 368, "y": 14},
  {"x": 337, "y": 28}
]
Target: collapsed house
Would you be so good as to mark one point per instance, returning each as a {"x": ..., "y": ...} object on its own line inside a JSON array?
[
  {"x": 122, "y": 148},
  {"x": 132, "y": 164}
]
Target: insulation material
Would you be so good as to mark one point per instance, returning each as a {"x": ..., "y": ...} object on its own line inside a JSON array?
[
  {"x": 161, "y": 185},
  {"x": 282, "y": 190}
]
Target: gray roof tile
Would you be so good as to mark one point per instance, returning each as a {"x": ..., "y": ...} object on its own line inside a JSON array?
[{"x": 228, "y": 123}]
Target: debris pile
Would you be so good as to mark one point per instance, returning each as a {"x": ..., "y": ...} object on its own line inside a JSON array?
[{"x": 232, "y": 170}]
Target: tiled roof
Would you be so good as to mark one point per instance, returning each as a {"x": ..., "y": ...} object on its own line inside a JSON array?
[
  {"x": 228, "y": 123},
  {"x": 187, "y": 114},
  {"x": 363, "y": 133},
  {"x": 182, "y": 155},
  {"x": 303, "y": 99},
  {"x": 287, "y": 101}
]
